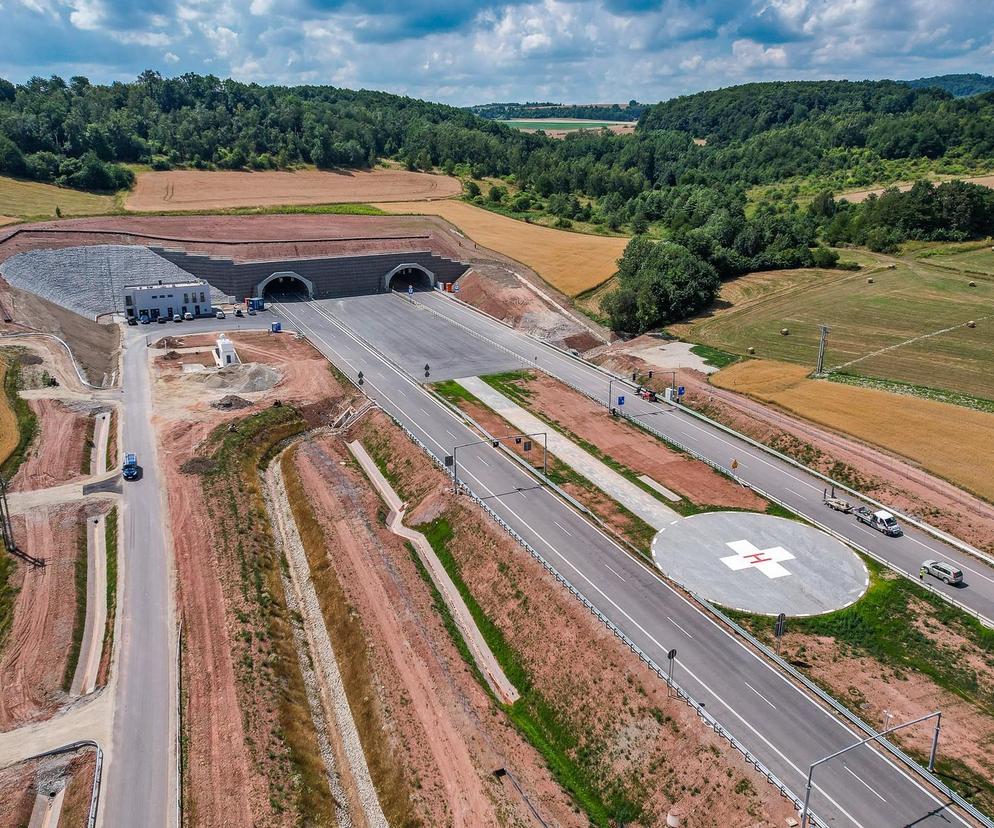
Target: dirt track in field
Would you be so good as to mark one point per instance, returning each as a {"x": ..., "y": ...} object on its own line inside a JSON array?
[
  {"x": 570, "y": 262},
  {"x": 198, "y": 190},
  {"x": 861, "y": 195},
  {"x": 917, "y": 429}
]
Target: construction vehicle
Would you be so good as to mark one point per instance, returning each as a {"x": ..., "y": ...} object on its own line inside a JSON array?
[
  {"x": 649, "y": 394},
  {"x": 130, "y": 469},
  {"x": 881, "y": 520},
  {"x": 837, "y": 503}
]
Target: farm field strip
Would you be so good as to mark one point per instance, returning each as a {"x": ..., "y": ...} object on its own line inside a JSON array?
[
  {"x": 570, "y": 262},
  {"x": 19, "y": 199},
  {"x": 199, "y": 190}
]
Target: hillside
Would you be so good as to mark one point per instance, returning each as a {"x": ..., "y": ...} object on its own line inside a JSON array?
[
  {"x": 593, "y": 112},
  {"x": 959, "y": 86}
]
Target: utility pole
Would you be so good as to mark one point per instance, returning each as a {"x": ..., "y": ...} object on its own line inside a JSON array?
[{"x": 820, "y": 367}]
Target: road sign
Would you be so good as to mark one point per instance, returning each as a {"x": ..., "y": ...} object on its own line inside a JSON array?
[
  {"x": 528, "y": 445},
  {"x": 671, "y": 654},
  {"x": 455, "y": 288},
  {"x": 621, "y": 399},
  {"x": 681, "y": 391},
  {"x": 360, "y": 378},
  {"x": 448, "y": 460},
  {"x": 427, "y": 370},
  {"x": 410, "y": 290},
  {"x": 781, "y": 625}
]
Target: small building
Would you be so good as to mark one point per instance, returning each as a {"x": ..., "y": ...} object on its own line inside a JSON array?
[
  {"x": 167, "y": 300},
  {"x": 224, "y": 352}
]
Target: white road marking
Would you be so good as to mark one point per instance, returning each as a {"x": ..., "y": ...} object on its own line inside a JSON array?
[
  {"x": 453, "y": 436},
  {"x": 674, "y": 623},
  {"x": 567, "y": 531},
  {"x": 754, "y": 690},
  {"x": 793, "y": 492},
  {"x": 485, "y": 463},
  {"x": 861, "y": 782},
  {"x": 864, "y": 530},
  {"x": 613, "y": 570}
]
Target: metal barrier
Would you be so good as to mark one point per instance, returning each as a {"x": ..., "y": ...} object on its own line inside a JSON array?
[{"x": 91, "y": 819}]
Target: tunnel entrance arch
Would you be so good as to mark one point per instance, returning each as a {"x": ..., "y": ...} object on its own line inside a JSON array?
[
  {"x": 409, "y": 273},
  {"x": 285, "y": 282}
]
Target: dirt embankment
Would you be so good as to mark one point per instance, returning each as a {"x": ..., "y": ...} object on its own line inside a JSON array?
[
  {"x": 35, "y": 651},
  {"x": 236, "y": 763},
  {"x": 430, "y": 726},
  {"x": 96, "y": 346},
  {"x": 616, "y": 720},
  {"x": 56, "y": 454},
  {"x": 20, "y": 784}
]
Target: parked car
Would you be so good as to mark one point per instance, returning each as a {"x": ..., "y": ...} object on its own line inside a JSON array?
[
  {"x": 219, "y": 314},
  {"x": 162, "y": 319},
  {"x": 144, "y": 319},
  {"x": 238, "y": 312},
  {"x": 251, "y": 311},
  {"x": 188, "y": 316},
  {"x": 943, "y": 571},
  {"x": 177, "y": 318},
  {"x": 132, "y": 320}
]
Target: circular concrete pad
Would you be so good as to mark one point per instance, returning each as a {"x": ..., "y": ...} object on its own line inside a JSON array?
[{"x": 760, "y": 563}]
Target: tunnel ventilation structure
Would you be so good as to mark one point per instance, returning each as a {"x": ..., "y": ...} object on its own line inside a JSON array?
[
  {"x": 285, "y": 282},
  {"x": 409, "y": 274}
]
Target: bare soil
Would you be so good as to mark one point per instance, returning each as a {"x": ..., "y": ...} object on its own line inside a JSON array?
[
  {"x": 230, "y": 715},
  {"x": 438, "y": 719},
  {"x": 57, "y": 451},
  {"x": 199, "y": 190},
  {"x": 628, "y": 733},
  {"x": 18, "y": 789},
  {"x": 33, "y": 659},
  {"x": 636, "y": 449},
  {"x": 96, "y": 346},
  {"x": 79, "y": 789}
]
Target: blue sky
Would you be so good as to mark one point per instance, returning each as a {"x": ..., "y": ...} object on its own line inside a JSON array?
[{"x": 465, "y": 51}]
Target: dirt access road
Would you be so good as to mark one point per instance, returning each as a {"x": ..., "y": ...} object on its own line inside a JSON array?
[{"x": 198, "y": 190}]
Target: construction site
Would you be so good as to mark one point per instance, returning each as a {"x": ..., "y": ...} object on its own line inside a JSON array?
[{"x": 375, "y": 530}]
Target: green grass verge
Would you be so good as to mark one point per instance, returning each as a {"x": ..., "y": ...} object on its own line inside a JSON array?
[
  {"x": 79, "y": 619},
  {"x": 714, "y": 357},
  {"x": 910, "y": 390},
  {"x": 535, "y": 718},
  {"x": 7, "y": 595},
  {"x": 110, "y": 543},
  {"x": 878, "y": 625},
  {"x": 27, "y": 422}
]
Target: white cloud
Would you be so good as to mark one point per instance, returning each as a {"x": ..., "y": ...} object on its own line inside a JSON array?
[
  {"x": 170, "y": 57},
  {"x": 748, "y": 53},
  {"x": 87, "y": 14}
]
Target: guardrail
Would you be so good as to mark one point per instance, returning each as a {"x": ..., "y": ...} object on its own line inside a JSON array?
[{"x": 91, "y": 819}]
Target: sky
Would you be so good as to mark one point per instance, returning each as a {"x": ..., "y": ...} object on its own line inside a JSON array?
[{"x": 464, "y": 52}]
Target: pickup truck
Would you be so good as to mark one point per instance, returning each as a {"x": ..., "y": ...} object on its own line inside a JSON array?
[
  {"x": 130, "y": 468},
  {"x": 881, "y": 520}
]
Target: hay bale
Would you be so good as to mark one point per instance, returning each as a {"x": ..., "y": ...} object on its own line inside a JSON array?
[
  {"x": 751, "y": 350},
  {"x": 973, "y": 284},
  {"x": 869, "y": 281},
  {"x": 784, "y": 331},
  {"x": 971, "y": 324}
]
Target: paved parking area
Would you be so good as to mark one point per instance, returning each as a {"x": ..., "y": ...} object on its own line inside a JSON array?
[{"x": 760, "y": 563}]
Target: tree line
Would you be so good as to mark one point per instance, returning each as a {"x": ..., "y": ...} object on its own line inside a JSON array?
[{"x": 592, "y": 112}]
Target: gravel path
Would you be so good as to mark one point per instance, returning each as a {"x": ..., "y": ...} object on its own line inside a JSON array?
[{"x": 348, "y": 772}]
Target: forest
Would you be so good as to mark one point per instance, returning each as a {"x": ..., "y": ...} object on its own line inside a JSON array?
[
  {"x": 592, "y": 112},
  {"x": 692, "y": 198}
]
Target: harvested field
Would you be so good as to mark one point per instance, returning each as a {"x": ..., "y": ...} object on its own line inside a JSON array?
[
  {"x": 639, "y": 451},
  {"x": 917, "y": 429},
  {"x": 570, "y": 262},
  {"x": 561, "y": 127},
  {"x": 57, "y": 451},
  {"x": 198, "y": 190},
  {"x": 907, "y": 300},
  {"x": 28, "y": 199},
  {"x": 627, "y": 750},
  {"x": 9, "y": 434},
  {"x": 856, "y": 196},
  {"x": 33, "y": 656},
  {"x": 236, "y": 716}
]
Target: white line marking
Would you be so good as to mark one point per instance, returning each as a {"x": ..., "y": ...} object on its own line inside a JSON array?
[
  {"x": 793, "y": 492},
  {"x": 861, "y": 782},
  {"x": 567, "y": 531},
  {"x": 674, "y": 623},
  {"x": 613, "y": 570},
  {"x": 754, "y": 690},
  {"x": 485, "y": 463}
]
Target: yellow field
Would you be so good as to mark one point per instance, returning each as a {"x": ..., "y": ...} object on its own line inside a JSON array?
[
  {"x": 952, "y": 442},
  {"x": 32, "y": 198},
  {"x": 9, "y": 434},
  {"x": 570, "y": 262}
]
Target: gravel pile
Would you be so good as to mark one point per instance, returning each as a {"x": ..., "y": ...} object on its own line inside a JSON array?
[
  {"x": 231, "y": 402},
  {"x": 237, "y": 379},
  {"x": 90, "y": 280}
]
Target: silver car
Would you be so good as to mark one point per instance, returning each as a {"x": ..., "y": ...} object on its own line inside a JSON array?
[{"x": 943, "y": 571}]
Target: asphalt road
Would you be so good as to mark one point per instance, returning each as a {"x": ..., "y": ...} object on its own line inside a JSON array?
[
  {"x": 775, "y": 720},
  {"x": 801, "y": 491}
]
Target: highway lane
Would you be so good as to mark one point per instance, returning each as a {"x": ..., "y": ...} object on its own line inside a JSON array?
[
  {"x": 140, "y": 780},
  {"x": 800, "y": 490},
  {"x": 779, "y": 724}
]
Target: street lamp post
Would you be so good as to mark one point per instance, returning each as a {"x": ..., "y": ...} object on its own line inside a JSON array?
[
  {"x": 937, "y": 715},
  {"x": 494, "y": 441}
]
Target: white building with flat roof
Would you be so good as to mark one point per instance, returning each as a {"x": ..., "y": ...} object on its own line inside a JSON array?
[
  {"x": 168, "y": 299},
  {"x": 224, "y": 352}
]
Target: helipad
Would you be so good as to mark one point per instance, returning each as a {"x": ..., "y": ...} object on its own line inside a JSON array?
[{"x": 759, "y": 563}]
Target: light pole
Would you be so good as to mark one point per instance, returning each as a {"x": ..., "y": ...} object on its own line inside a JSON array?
[
  {"x": 937, "y": 715},
  {"x": 495, "y": 441}
]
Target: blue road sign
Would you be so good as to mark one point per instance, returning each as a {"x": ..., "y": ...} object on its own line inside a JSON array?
[
  {"x": 621, "y": 399},
  {"x": 681, "y": 391}
]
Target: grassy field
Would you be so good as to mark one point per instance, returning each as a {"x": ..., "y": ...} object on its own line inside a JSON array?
[
  {"x": 571, "y": 262},
  {"x": 918, "y": 429},
  {"x": 872, "y": 325},
  {"x": 24, "y": 199},
  {"x": 552, "y": 123}
]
